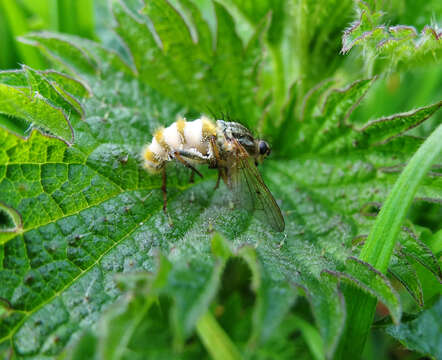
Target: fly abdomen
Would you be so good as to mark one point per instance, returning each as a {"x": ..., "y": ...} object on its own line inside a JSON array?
[
  {"x": 179, "y": 137},
  {"x": 154, "y": 155}
]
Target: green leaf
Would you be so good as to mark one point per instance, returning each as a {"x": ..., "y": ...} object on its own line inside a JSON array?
[
  {"x": 366, "y": 278},
  {"x": 59, "y": 48},
  {"x": 116, "y": 329},
  {"x": 317, "y": 38},
  {"x": 255, "y": 11},
  {"x": 382, "y": 130},
  {"x": 335, "y": 112},
  {"x": 124, "y": 327},
  {"x": 37, "y": 82},
  {"x": 10, "y": 223},
  {"x": 60, "y": 93},
  {"x": 216, "y": 341},
  {"x": 436, "y": 243},
  {"x": 90, "y": 211},
  {"x": 206, "y": 79},
  {"x": 142, "y": 291},
  {"x": 84, "y": 347},
  {"x": 413, "y": 248},
  {"x": 401, "y": 270},
  {"x": 390, "y": 46},
  {"x": 77, "y": 55},
  {"x": 312, "y": 338},
  {"x": 422, "y": 334},
  {"x": 36, "y": 109}
]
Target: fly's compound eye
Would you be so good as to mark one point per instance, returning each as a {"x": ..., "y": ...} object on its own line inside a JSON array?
[{"x": 264, "y": 148}]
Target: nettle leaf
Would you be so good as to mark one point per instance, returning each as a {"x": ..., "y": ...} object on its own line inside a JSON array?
[
  {"x": 365, "y": 277},
  {"x": 413, "y": 248},
  {"x": 409, "y": 251},
  {"x": 402, "y": 270},
  {"x": 209, "y": 73},
  {"x": 77, "y": 55},
  {"x": 391, "y": 46},
  {"x": 10, "y": 224},
  {"x": 84, "y": 210},
  {"x": 35, "y": 108},
  {"x": 422, "y": 334},
  {"x": 317, "y": 38},
  {"x": 255, "y": 11}
]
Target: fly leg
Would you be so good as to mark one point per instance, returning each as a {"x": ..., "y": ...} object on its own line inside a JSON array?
[
  {"x": 191, "y": 156},
  {"x": 186, "y": 164},
  {"x": 164, "y": 190},
  {"x": 183, "y": 157},
  {"x": 194, "y": 155},
  {"x": 219, "y": 163},
  {"x": 218, "y": 179}
]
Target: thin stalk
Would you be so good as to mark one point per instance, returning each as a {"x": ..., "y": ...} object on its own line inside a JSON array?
[{"x": 215, "y": 340}]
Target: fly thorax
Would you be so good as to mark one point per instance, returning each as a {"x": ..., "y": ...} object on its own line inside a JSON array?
[{"x": 233, "y": 130}]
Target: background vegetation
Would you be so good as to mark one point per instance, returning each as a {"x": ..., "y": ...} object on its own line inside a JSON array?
[{"x": 348, "y": 94}]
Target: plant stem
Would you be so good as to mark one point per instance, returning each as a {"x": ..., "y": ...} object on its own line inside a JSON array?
[
  {"x": 311, "y": 337},
  {"x": 380, "y": 243},
  {"x": 215, "y": 340},
  {"x": 278, "y": 65}
]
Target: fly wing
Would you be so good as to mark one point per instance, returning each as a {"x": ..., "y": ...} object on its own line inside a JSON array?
[{"x": 253, "y": 193}]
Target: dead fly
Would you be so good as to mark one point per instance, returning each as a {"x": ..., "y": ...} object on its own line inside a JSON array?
[{"x": 226, "y": 146}]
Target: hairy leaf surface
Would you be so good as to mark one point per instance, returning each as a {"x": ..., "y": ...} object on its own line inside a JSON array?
[
  {"x": 422, "y": 334},
  {"x": 89, "y": 211},
  {"x": 390, "y": 46}
]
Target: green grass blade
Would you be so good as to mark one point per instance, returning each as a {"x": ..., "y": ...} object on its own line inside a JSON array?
[
  {"x": 8, "y": 53},
  {"x": 76, "y": 17},
  {"x": 19, "y": 25},
  {"x": 311, "y": 337},
  {"x": 216, "y": 341},
  {"x": 380, "y": 243}
]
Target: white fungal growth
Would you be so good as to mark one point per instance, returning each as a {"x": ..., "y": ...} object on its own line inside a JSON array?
[
  {"x": 193, "y": 134},
  {"x": 172, "y": 137},
  {"x": 158, "y": 150}
]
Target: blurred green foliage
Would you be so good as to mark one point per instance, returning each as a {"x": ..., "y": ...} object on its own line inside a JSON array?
[{"x": 19, "y": 17}]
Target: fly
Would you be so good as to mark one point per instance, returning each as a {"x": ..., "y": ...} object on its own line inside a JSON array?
[{"x": 226, "y": 146}]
